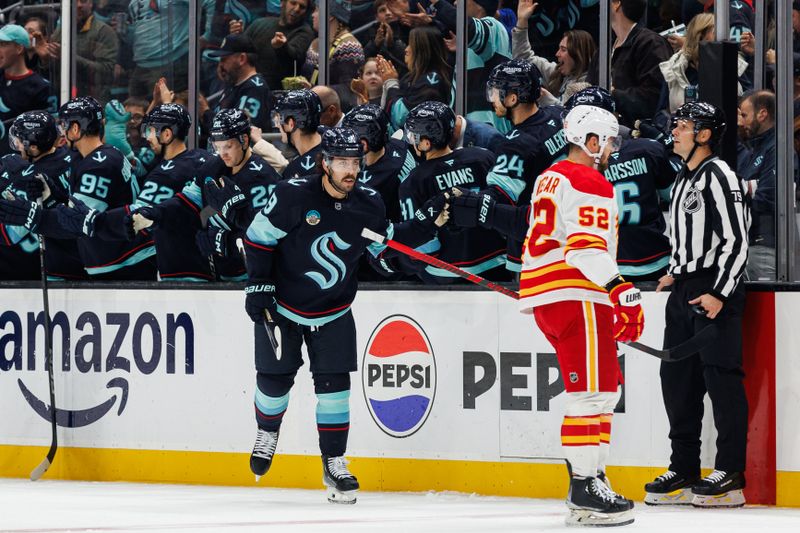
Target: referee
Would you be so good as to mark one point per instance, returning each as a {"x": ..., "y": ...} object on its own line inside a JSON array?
[{"x": 709, "y": 221}]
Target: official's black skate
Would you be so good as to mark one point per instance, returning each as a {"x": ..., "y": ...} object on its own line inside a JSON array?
[
  {"x": 592, "y": 503},
  {"x": 263, "y": 451},
  {"x": 719, "y": 489},
  {"x": 670, "y": 488},
  {"x": 342, "y": 485}
]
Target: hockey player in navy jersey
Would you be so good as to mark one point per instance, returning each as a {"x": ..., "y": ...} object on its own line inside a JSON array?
[
  {"x": 297, "y": 115},
  {"x": 19, "y": 249},
  {"x": 100, "y": 181},
  {"x": 245, "y": 88},
  {"x": 429, "y": 128},
  {"x": 303, "y": 250},
  {"x": 535, "y": 143},
  {"x": 34, "y": 136},
  {"x": 235, "y": 182}
]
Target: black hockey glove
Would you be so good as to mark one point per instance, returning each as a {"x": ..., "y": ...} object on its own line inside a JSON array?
[
  {"x": 472, "y": 209},
  {"x": 259, "y": 301},
  {"x": 14, "y": 211},
  {"x": 213, "y": 240},
  {"x": 224, "y": 199},
  {"x": 428, "y": 214},
  {"x": 77, "y": 218}
]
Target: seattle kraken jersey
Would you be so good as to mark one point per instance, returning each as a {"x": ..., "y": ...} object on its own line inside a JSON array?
[
  {"x": 303, "y": 165},
  {"x": 251, "y": 96},
  {"x": 19, "y": 250},
  {"x": 29, "y": 92},
  {"x": 103, "y": 181},
  {"x": 529, "y": 149},
  {"x": 309, "y": 244},
  {"x": 475, "y": 250},
  {"x": 387, "y": 173},
  {"x": 641, "y": 172},
  {"x": 177, "y": 255}
]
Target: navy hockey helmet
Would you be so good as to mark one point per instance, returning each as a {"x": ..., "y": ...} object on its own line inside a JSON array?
[
  {"x": 85, "y": 111},
  {"x": 370, "y": 123},
  {"x": 516, "y": 76},
  {"x": 593, "y": 96},
  {"x": 229, "y": 124},
  {"x": 341, "y": 142},
  {"x": 33, "y": 128},
  {"x": 704, "y": 116},
  {"x": 303, "y": 105},
  {"x": 172, "y": 116},
  {"x": 431, "y": 120}
]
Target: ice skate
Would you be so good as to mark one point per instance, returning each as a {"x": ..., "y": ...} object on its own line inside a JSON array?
[
  {"x": 341, "y": 484},
  {"x": 263, "y": 451},
  {"x": 592, "y": 503},
  {"x": 670, "y": 488},
  {"x": 719, "y": 489}
]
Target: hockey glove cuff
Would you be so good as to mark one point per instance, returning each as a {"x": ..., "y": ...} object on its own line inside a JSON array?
[
  {"x": 628, "y": 314},
  {"x": 473, "y": 209},
  {"x": 259, "y": 302},
  {"x": 224, "y": 199},
  {"x": 15, "y": 211},
  {"x": 213, "y": 240},
  {"x": 428, "y": 214},
  {"x": 77, "y": 217}
]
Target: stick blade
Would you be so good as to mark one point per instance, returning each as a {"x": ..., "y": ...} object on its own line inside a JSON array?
[{"x": 39, "y": 471}]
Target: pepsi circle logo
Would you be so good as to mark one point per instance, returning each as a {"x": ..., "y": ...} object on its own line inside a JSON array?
[{"x": 399, "y": 376}]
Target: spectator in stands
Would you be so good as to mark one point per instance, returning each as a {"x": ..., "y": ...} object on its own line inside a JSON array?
[
  {"x": 385, "y": 39},
  {"x": 331, "y": 106},
  {"x": 575, "y": 52},
  {"x": 22, "y": 89},
  {"x": 368, "y": 87},
  {"x": 681, "y": 70},
  {"x": 346, "y": 54},
  {"x": 635, "y": 76},
  {"x": 158, "y": 35},
  {"x": 428, "y": 75},
  {"x": 36, "y": 26},
  {"x": 281, "y": 42},
  {"x": 758, "y": 121},
  {"x": 96, "y": 50}
]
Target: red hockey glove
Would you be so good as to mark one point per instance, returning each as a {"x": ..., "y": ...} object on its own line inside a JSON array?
[{"x": 628, "y": 314}]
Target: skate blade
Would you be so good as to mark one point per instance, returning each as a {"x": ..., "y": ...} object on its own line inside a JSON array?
[
  {"x": 734, "y": 498},
  {"x": 257, "y": 478},
  {"x": 341, "y": 497},
  {"x": 587, "y": 517},
  {"x": 676, "y": 497}
]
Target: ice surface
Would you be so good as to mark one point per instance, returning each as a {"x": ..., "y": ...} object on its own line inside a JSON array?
[{"x": 83, "y": 506}]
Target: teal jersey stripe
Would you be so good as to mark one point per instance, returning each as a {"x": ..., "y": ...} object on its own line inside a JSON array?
[
  {"x": 138, "y": 257},
  {"x": 641, "y": 270},
  {"x": 303, "y": 321}
]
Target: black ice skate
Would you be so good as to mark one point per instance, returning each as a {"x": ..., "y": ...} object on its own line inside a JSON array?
[
  {"x": 341, "y": 484},
  {"x": 592, "y": 503},
  {"x": 264, "y": 449},
  {"x": 670, "y": 488},
  {"x": 719, "y": 489}
]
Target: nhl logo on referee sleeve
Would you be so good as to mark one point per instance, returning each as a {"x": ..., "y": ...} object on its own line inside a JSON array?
[
  {"x": 573, "y": 377},
  {"x": 312, "y": 217},
  {"x": 693, "y": 201}
]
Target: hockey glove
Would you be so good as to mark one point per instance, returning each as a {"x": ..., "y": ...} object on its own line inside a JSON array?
[
  {"x": 213, "y": 240},
  {"x": 259, "y": 301},
  {"x": 15, "y": 211},
  {"x": 226, "y": 198},
  {"x": 77, "y": 217},
  {"x": 429, "y": 214},
  {"x": 473, "y": 209},
  {"x": 628, "y": 314},
  {"x": 116, "y": 128}
]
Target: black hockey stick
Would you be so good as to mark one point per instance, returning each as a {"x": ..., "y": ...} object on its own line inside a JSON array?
[
  {"x": 39, "y": 471},
  {"x": 676, "y": 353},
  {"x": 268, "y": 322}
]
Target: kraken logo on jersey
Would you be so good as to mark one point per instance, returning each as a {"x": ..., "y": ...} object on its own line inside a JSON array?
[
  {"x": 432, "y": 78},
  {"x": 322, "y": 250},
  {"x": 365, "y": 177},
  {"x": 168, "y": 165},
  {"x": 307, "y": 163},
  {"x": 256, "y": 167}
]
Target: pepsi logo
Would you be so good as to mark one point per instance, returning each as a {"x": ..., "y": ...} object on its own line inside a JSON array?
[{"x": 398, "y": 374}]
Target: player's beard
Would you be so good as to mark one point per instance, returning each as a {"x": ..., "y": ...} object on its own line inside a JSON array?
[{"x": 499, "y": 109}]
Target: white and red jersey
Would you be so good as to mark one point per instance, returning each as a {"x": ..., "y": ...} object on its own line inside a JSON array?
[{"x": 573, "y": 221}]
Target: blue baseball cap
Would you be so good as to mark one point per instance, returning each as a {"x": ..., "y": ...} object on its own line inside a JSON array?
[{"x": 11, "y": 33}]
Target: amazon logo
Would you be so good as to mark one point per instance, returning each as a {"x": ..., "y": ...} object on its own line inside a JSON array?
[{"x": 112, "y": 343}]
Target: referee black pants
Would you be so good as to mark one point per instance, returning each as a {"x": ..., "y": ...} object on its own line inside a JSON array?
[{"x": 716, "y": 370}]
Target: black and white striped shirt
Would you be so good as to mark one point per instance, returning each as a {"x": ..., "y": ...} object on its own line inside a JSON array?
[{"x": 709, "y": 222}]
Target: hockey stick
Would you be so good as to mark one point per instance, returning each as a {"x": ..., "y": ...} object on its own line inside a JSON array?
[
  {"x": 39, "y": 471},
  {"x": 676, "y": 353},
  {"x": 267, "y": 317},
  {"x": 425, "y": 258}
]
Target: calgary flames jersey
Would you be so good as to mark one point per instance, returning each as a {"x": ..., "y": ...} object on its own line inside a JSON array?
[{"x": 573, "y": 214}]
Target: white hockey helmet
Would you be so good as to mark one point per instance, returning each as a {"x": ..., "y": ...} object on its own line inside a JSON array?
[{"x": 585, "y": 120}]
